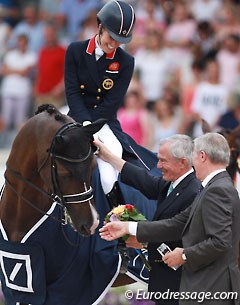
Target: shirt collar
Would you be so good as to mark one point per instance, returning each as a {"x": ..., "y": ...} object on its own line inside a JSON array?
[
  {"x": 92, "y": 45},
  {"x": 176, "y": 182},
  {"x": 211, "y": 175}
]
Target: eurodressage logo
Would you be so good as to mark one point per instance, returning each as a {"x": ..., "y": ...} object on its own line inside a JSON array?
[{"x": 17, "y": 271}]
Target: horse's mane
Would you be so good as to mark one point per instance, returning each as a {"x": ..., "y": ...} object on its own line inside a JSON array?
[{"x": 52, "y": 110}]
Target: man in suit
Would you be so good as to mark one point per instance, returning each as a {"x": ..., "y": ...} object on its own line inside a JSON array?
[
  {"x": 175, "y": 162},
  {"x": 209, "y": 228}
]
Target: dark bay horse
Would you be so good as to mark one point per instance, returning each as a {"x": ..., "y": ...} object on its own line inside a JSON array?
[
  {"x": 51, "y": 159},
  {"x": 48, "y": 175},
  {"x": 43, "y": 259}
]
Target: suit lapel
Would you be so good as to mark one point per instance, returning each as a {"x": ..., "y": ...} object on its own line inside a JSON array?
[
  {"x": 198, "y": 200},
  {"x": 194, "y": 206},
  {"x": 162, "y": 201},
  {"x": 169, "y": 200}
]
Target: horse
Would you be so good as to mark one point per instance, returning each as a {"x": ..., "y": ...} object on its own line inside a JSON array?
[
  {"x": 51, "y": 159},
  {"x": 49, "y": 253},
  {"x": 47, "y": 180}
]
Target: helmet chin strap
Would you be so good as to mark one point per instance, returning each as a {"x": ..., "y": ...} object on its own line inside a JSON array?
[{"x": 99, "y": 35}]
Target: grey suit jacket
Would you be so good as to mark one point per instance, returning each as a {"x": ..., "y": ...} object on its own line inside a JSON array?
[{"x": 210, "y": 232}]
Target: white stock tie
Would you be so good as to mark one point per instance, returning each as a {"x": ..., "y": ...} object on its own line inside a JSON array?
[{"x": 98, "y": 52}]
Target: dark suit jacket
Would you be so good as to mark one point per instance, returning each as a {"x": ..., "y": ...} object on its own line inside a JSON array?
[
  {"x": 210, "y": 232},
  {"x": 162, "y": 277},
  {"x": 96, "y": 89}
]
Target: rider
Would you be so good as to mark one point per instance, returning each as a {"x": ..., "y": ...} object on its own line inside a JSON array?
[{"x": 97, "y": 75}]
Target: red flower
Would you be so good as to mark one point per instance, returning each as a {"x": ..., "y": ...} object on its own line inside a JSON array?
[{"x": 129, "y": 207}]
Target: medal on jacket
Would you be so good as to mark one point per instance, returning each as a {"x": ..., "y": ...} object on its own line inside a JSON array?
[{"x": 107, "y": 84}]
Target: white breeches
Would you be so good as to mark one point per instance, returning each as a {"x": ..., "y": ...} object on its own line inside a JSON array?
[{"x": 108, "y": 174}]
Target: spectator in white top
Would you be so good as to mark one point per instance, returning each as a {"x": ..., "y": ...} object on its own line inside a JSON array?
[
  {"x": 16, "y": 85},
  {"x": 210, "y": 98},
  {"x": 205, "y": 10},
  {"x": 229, "y": 60},
  {"x": 153, "y": 63}
]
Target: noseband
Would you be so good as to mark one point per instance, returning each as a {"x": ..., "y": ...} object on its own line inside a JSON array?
[{"x": 56, "y": 194}]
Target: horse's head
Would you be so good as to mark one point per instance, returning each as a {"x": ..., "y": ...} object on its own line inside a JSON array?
[
  {"x": 52, "y": 157},
  {"x": 71, "y": 162}
]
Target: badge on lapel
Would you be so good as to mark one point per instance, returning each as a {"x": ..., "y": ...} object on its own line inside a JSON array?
[
  {"x": 107, "y": 83},
  {"x": 113, "y": 67}
]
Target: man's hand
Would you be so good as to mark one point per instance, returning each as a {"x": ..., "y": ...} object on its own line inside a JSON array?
[
  {"x": 114, "y": 230},
  {"x": 106, "y": 155},
  {"x": 103, "y": 152},
  {"x": 132, "y": 242},
  {"x": 174, "y": 258}
]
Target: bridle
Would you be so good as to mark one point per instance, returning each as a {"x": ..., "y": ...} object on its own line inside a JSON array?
[
  {"x": 56, "y": 193},
  {"x": 74, "y": 198}
]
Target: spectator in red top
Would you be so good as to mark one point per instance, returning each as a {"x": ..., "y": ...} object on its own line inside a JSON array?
[{"x": 49, "y": 86}]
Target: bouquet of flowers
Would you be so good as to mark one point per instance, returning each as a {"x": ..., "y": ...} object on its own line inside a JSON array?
[{"x": 127, "y": 212}]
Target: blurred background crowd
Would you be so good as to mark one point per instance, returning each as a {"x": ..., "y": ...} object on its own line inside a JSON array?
[{"x": 187, "y": 63}]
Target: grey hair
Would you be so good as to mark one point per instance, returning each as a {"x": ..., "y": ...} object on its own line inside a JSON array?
[
  {"x": 181, "y": 146},
  {"x": 215, "y": 146}
]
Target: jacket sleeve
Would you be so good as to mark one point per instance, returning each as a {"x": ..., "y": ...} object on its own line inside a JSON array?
[
  {"x": 140, "y": 179},
  {"x": 163, "y": 230}
]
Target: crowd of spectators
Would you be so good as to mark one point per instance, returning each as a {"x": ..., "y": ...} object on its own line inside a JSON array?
[{"x": 187, "y": 63}]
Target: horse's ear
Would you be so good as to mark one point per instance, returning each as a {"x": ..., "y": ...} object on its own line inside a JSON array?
[
  {"x": 205, "y": 126},
  {"x": 94, "y": 127}
]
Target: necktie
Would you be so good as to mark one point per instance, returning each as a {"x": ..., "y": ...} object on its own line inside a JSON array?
[
  {"x": 200, "y": 188},
  {"x": 170, "y": 189},
  {"x": 98, "y": 52}
]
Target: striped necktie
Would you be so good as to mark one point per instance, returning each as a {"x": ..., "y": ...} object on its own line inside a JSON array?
[{"x": 170, "y": 189}]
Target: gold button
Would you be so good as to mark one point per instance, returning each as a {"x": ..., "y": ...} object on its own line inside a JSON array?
[
  {"x": 83, "y": 93},
  {"x": 98, "y": 97},
  {"x": 99, "y": 90},
  {"x": 82, "y": 86},
  {"x": 95, "y": 106}
]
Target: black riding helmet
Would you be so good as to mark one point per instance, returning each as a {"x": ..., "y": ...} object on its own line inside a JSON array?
[{"x": 118, "y": 18}]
